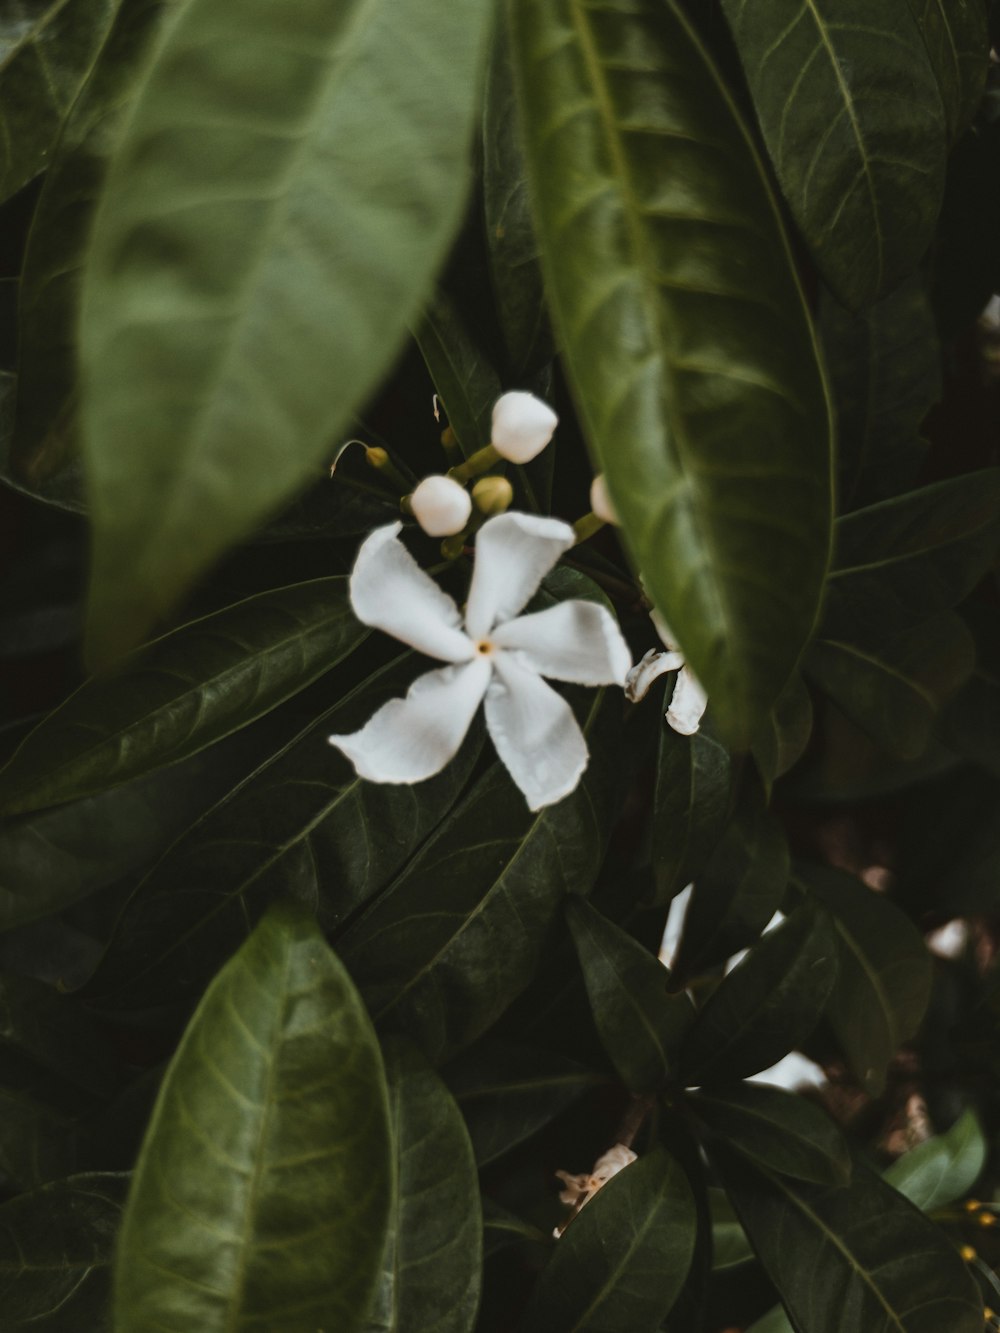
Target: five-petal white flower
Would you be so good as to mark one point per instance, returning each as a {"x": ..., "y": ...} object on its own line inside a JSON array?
[{"x": 498, "y": 656}]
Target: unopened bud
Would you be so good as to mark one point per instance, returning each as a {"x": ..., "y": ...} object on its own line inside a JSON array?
[
  {"x": 492, "y": 495},
  {"x": 600, "y": 501},
  {"x": 441, "y": 506},
  {"x": 376, "y": 457},
  {"x": 522, "y": 426}
]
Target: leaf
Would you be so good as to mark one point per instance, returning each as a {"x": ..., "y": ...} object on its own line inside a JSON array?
[
  {"x": 623, "y": 1259},
  {"x": 956, "y": 33},
  {"x": 58, "y": 1036},
  {"x": 884, "y": 973},
  {"x": 46, "y": 49},
  {"x": 466, "y": 382},
  {"x": 685, "y": 333},
  {"x": 426, "y": 956},
  {"x": 783, "y": 739},
  {"x": 641, "y": 1026},
  {"x": 506, "y": 1092},
  {"x": 766, "y": 1006},
  {"x": 694, "y": 785},
  {"x": 942, "y": 1169},
  {"x": 777, "y": 1130},
  {"x": 970, "y": 721},
  {"x": 183, "y": 692},
  {"x": 55, "y": 1255},
  {"x": 730, "y": 1247},
  {"x": 852, "y": 117},
  {"x": 261, "y": 1195},
  {"x": 285, "y": 187},
  {"x": 856, "y": 1256},
  {"x": 502, "y": 1228}
]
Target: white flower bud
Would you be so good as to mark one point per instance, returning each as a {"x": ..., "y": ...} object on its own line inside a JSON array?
[
  {"x": 522, "y": 426},
  {"x": 441, "y": 506},
  {"x": 600, "y": 500}
]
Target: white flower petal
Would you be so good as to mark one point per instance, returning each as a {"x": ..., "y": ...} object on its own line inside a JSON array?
[
  {"x": 389, "y": 591},
  {"x": 663, "y": 630},
  {"x": 576, "y": 641},
  {"x": 601, "y": 502},
  {"x": 534, "y": 731},
  {"x": 441, "y": 506},
  {"x": 650, "y": 667},
  {"x": 514, "y": 552},
  {"x": 687, "y": 705},
  {"x": 411, "y": 739},
  {"x": 522, "y": 426}
]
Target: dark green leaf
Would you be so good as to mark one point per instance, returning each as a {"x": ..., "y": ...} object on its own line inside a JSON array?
[
  {"x": 286, "y": 184},
  {"x": 783, "y": 738},
  {"x": 956, "y": 33},
  {"x": 779, "y": 1130},
  {"x": 969, "y": 723},
  {"x": 466, "y": 382},
  {"x": 767, "y": 1005},
  {"x": 46, "y": 49},
  {"x": 433, "y": 1259},
  {"x": 942, "y": 1169},
  {"x": 55, "y": 1255},
  {"x": 883, "y": 977},
  {"x": 641, "y": 1026},
  {"x": 183, "y": 692},
  {"x": 849, "y": 107},
  {"x": 730, "y": 1246},
  {"x": 261, "y": 1195},
  {"x": 502, "y": 1228},
  {"x": 694, "y": 783},
  {"x": 622, "y": 1261},
  {"x": 685, "y": 333}
]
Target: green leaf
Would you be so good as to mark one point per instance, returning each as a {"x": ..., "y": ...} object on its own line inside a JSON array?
[
  {"x": 433, "y": 1260},
  {"x": 767, "y": 1005},
  {"x": 288, "y": 180},
  {"x": 857, "y": 1256},
  {"x": 691, "y": 804},
  {"x": 778, "y": 1130},
  {"x": 942, "y": 1169},
  {"x": 46, "y": 49},
  {"x": 956, "y": 33},
  {"x": 969, "y": 724},
  {"x": 730, "y": 1246},
  {"x": 55, "y": 1255},
  {"x": 884, "y": 973},
  {"x": 850, "y": 111},
  {"x": 502, "y": 1228},
  {"x": 685, "y": 333},
  {"x": 506, "y": 1092},
  {"x": 783, "y": 739},
  {"x": 466, "y": 382},
  {"x": 261, "y": 1195},
  {"x": 641, "y": 1025},
  {"x": 183, "y": 692},
  {"x": 462, "y": 930},
  {"x": 622, "y": 1261}
]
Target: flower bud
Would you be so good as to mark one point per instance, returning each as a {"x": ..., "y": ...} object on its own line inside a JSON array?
[
  {"x": 600, "y": 501},
  {"x": 492, "y": 495},
  {"x": 441, "y": 506},
  {"x": 522, "y": 426}
]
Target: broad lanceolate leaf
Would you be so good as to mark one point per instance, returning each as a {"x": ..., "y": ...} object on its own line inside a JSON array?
[
  {"x": 850, "y": 110},
  {"x": 884, "y": 973},
  {"x": 288, "y": 180},
  {"x": 694, "y": 786},
  {"x": 46, "y": 49},
  {"x": 956, "y": 33},
  {"x": 466, "y": 382},
  {"x": 685, "y": 333},
  {"x": 181, "y": 693},
  {"x": 433, "y": 1259},
  {"x": 641, "y": 1026},
  {"x": 623, "y": 1259},
  {"x": 942, "y": 1169},
  {"x": 261, "y": 1195},
  {"x": 853, "y": 1257},
  {"x": 55, "y": 1255},
  {"x": 767, "y": 1005}
]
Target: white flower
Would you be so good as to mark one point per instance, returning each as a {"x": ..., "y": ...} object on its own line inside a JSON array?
[
  {"x": 601, "y": 502},
  {"x": 499, "y": 656},
  {"x": 579, "y": 1190},
  {"x": 441, "y": 506},
  {"x": 522, "y": 426},
  {"x": 688, "y": 702}
]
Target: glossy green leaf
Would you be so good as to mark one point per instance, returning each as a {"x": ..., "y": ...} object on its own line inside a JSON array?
[
  {"x": 778, "y": 1130},
  {"x": 941, "y": 1169},
  {"x": 183, "y": 692},
  {"x": 55, "y": 1255},
  {"x": 261, "y": 1195},
  {"x": 641, "y": 1025},
  {"x": 693, "y": 794},
  {"x": 956, "y": 33},
  {"x": 767, "y": 1005},
  {"x": 433, "y": 1260},
  {"x": 506, "y": 1092},
  {"x": 623, "y": 1259},
  {"x": 288, "y": 180},
  {"x": 466, "y": 382},
  {"x": 783, "y": 739},
  {"x": 502, "y": 1228},
  {"x": 685, "y": 334},
  {"x": 46, "y": 49},
  {"x": 849, "y": 107},
  {"x": 730, "y": 1247},
  {"x": 853, "y": 1257},
  {"x": 884, "y": 973}
]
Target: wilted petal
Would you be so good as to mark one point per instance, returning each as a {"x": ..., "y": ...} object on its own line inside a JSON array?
[
  {"x": 575, "y": 641},
  {"x": 389, "y": 591},
  {"x": 534, "y": 731},
  {"x": 687, "y": 704},
  {"x": 514, "y": 552},
  {"x": 648, "y": 669},
  {"x": 410, "y": 739}
]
